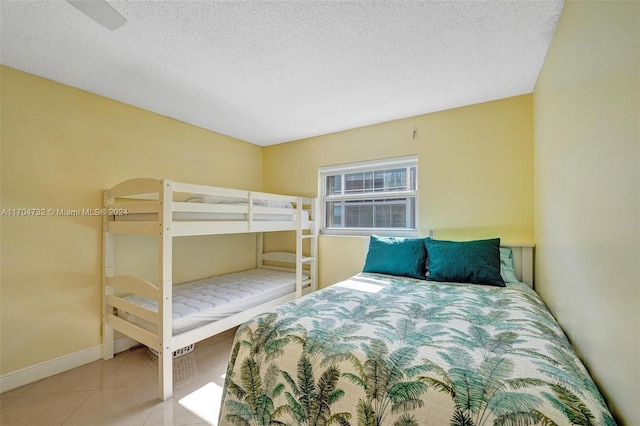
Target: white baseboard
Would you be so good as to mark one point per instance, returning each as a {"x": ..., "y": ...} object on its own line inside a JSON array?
[
  {"x": 40, "y": 371},
  {"x": 50, "y": 368}
]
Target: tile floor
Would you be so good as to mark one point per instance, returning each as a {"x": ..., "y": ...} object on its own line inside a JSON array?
[{"x": 123, "y": 391}]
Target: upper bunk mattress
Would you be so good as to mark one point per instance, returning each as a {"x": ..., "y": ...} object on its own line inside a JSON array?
[
  {"x": 187, "y": 216},
  {"x": 200, "y": 302},
  {"x": 234, "y": 201}
]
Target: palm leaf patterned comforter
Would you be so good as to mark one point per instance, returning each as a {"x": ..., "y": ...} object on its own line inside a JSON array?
[{"x": 383, "y": 350}]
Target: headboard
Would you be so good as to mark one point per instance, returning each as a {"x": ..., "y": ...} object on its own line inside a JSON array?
[{"x": 522, "y": 259}]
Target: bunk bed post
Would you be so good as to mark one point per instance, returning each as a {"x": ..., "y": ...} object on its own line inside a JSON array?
[
  {"x": 259, "y": 250},
  {"x": 165, "y": 243},
  {"x": 315, "y": 229},
  {"x": 250, "y": 226},
  {"x": 299, "y": 256},
  {"x": 107, "y": 271}
]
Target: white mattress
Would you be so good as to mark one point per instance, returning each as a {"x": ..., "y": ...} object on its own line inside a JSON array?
[
  {"x": 219, "y": 216},
  {"x": 220, "y": 199},
  {"x": 188, "y": 216},
  {"x": 224, "y": 199},
  {"x": 203, "y": 301}
]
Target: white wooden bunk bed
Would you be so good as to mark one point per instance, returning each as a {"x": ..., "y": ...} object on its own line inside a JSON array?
[{"x": 168, "y": 209}]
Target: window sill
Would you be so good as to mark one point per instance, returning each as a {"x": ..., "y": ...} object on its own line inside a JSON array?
[{"x": 410, "y": 233}]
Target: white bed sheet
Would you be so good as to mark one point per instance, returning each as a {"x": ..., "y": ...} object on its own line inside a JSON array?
[
  {"x": 200, "y": 302},
  {"x": 187, "y": 216},
  {"x": 225, "y": 199}
]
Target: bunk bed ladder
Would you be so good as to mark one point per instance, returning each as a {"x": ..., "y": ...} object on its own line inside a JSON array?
[{"x": 303, "y": 234}]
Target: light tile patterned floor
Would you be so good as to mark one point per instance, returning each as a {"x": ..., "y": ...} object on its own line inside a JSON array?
[{"x": 123, "y": 391}]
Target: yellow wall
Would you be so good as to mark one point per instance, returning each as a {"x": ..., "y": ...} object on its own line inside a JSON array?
[
  {"x": 60, "y": 147},
  {"x": 587, "y": 192},
  {"x": 475, "y": 173},
  {"x": 576, "y": 141}
]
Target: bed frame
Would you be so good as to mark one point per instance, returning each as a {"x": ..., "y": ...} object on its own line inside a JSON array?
[
  {"x": 147, "y": 207},
  {"x": 522, "y": 261}
]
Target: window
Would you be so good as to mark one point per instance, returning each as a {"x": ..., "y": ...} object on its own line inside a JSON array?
[{"x": 370, "y": 197}]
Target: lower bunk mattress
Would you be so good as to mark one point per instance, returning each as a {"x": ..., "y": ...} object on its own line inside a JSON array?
[{"x": 203, "y": 301}]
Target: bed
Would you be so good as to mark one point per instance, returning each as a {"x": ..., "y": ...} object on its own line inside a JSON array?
[
  {"x": 395, "y": 349},
  {"x": 168, "y": 318}
]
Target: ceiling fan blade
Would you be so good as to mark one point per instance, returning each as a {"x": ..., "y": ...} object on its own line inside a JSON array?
[{"x": 100, "y": 11}]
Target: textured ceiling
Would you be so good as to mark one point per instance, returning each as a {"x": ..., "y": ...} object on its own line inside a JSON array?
[{"x": 269, "y": 72}]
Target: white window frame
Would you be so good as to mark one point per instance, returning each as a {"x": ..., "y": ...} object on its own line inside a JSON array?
[{"x": 368, "y": 166}]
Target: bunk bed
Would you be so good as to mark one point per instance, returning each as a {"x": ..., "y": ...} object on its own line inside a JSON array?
[
  {"x": 168, "y": 318},
  {"x": 440, "y": 333}
]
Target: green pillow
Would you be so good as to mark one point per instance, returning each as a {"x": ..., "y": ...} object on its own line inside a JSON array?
[
  {"x": 507, "y": 269},
  {"x": 396, "y": 256},
  {"x": 476, "y": 262}
]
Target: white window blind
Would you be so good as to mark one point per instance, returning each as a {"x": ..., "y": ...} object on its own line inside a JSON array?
[{"x": 370, "y": 197}]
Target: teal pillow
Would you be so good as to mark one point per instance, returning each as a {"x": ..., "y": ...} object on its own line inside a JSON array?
[
  {"x": 507, "y": 270},
  {"x": 396, "y": 256},
  {"x": 476, "y": 262}
]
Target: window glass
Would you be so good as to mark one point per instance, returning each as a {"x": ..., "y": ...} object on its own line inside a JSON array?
[{"x": 370, "y": 197}]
